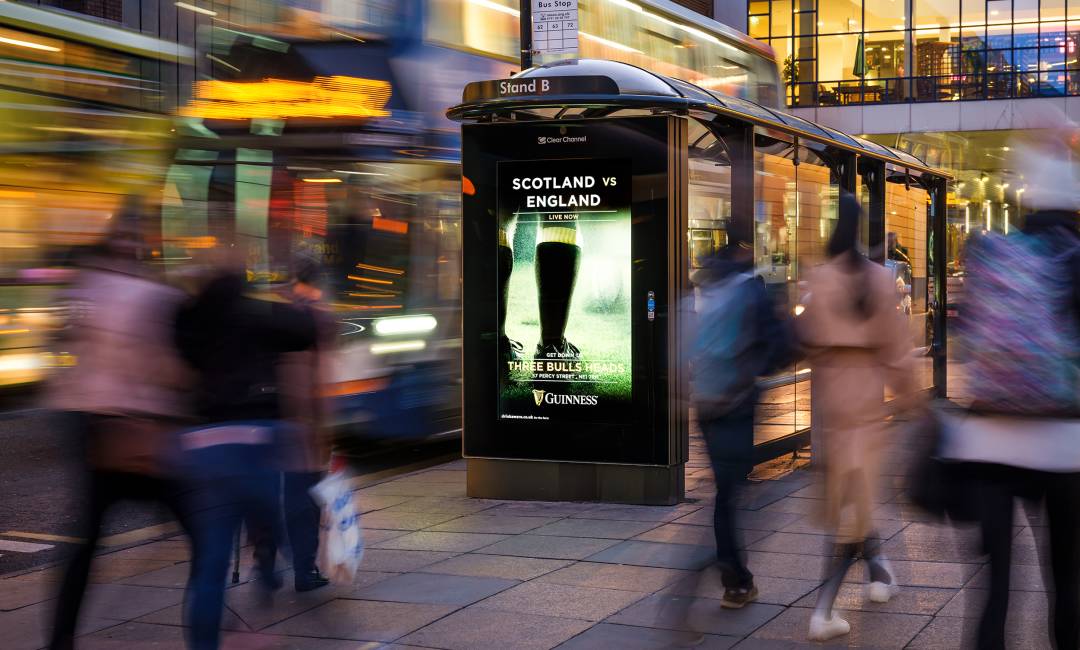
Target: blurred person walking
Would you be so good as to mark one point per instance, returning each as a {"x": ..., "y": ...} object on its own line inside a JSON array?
[
  {"x": 856, "y": 343},
  {"x": 235, "y": 343},
  {"x": 1020, "y": 331},
  {"x": 126, "y": 396},
  {"x": 737, "y": 338},
  {"x": 305, "y": 449}
]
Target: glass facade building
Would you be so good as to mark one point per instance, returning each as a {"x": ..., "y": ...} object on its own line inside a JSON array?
[{"x": 843, "y": 52}]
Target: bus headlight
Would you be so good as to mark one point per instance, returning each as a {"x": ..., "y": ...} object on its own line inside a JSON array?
[
  {"x": 398, "y": 325},
  {"x": 397, "y": 346}
]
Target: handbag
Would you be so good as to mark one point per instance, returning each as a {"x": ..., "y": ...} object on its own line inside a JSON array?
[
  {"x": 342, "y": 546},
  {"x": 939, "y": 487}
]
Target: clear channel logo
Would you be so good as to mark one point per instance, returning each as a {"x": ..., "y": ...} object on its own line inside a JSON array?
[
  {"x": 542, "y": 397},
  {"x": 562, "y": 139}
]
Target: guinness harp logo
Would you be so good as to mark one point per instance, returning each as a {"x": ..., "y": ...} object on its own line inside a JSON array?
[{"x": 538, "y": 396}]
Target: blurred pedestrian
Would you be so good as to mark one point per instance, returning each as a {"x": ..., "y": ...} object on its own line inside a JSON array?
[
  {"x": 305, "y": 448},
  {"x": 1020, "y": 331},
  {"x": 896, "y": 251},
  {"x": 856, "y": 343},
  {"x": 736, "y": 339},
  {"x": 126, "y": 395},
  {"x": 235, "y": 344}
]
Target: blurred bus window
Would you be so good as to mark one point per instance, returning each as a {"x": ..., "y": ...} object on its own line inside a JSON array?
[
  {"x": 82, "y": 126},
  {"x": 649, "y": 36}
]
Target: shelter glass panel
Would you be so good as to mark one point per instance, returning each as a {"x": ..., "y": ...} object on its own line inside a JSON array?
[{"x": 776, "y": 200}]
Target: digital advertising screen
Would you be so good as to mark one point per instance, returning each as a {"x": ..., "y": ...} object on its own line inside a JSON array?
[
  {"x": 569, "y": 257},
  {"x": 564, "y": 290}
]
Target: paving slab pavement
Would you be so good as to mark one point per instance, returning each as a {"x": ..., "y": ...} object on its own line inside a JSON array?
[{"x": 445, "y": 571}]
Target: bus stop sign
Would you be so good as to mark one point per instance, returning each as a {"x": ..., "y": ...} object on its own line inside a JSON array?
[{"x": 555, "y": 26}]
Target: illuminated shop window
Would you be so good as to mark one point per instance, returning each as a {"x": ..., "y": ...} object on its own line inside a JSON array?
[{"x": 889, "y": 51}]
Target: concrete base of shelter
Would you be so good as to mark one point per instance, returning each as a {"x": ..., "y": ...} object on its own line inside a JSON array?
[{"x": 489, "y": 478}]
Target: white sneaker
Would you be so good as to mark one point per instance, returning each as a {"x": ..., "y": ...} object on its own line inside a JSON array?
[
  {"x": 823, "y": 629},
  {"x": 879, "y": 592},
  {"x": 882, "y": 592}
]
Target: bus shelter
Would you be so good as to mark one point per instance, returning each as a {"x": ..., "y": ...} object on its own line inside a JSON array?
[{"x": 593, "y": 191}]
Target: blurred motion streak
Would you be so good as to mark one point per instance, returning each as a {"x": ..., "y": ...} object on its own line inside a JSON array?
[
  {"x": 857, "y": 344},
  {"x": 83, "y": 124},
  {"x": 1019, "y": 335},
  {"x": 326, "y": 97}
]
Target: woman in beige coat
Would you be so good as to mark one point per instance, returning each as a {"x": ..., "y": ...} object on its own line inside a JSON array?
[{"x": 857, "y": 343}]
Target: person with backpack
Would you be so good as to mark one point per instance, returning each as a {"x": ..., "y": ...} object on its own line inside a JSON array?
[
  {"x": 856, "y": 342},
  {"x": 737, "y": 338},
  {"x": 1020, "y": 332}
]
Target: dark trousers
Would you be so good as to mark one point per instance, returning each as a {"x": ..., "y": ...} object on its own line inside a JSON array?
[
  {"x": 730, "y": 442},
  {"x": 302, "y": 516},
  {"x": 230, "y": 483},
  {"x": 104, "y": 488},
  {"x": 997, "y": 487}
]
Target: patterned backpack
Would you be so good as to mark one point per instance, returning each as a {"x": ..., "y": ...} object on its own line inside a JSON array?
[{"x": 1018, "y": 326}]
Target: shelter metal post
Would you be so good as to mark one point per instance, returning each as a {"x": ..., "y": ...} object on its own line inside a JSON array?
[
  {"x": 739, "y": 138},
  {"x": 873, "y": 172},
  {"x": 849, "y": 179},
  {"x": 525, "y": 32},
  {"x": 939, "y": 250}
]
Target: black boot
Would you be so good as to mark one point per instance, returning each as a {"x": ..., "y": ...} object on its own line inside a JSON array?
[
  {"x": 556, "y": 274},
  {"x": 509, "y": 349},
  {"x": 310, "y": 580}
]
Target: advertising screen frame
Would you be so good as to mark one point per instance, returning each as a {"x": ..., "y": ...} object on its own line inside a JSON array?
[{"x": 654, "y": 147}]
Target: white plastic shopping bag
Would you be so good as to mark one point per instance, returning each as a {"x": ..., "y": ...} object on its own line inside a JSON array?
[{"x": 343, "y": 539}]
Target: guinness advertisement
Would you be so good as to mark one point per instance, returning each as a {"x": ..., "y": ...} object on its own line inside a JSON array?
[
  {"x": 566, "y": 232},
  {"x": 564, "y": 290}
]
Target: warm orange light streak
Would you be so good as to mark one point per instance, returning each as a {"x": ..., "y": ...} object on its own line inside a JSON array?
[
  {"x": 380, "y": 269},
  {"x": 360, "y": 278},
  {"x": 30, "y": 44},
  {"x": 324, "y": 97},
  {"x": 374, "y": 295},
  {"x": 390, "y": 225},
  {"x": 354, "y": 387}
]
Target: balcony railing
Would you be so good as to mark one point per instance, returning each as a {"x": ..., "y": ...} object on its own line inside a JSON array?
[{"x": 947, "y": 88}]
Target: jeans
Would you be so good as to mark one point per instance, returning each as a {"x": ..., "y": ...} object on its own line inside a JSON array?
[
  {"x": 997, "y": 486},
  {"x": 730, "y": 442},
  {"x": 229, "y": 483}
]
